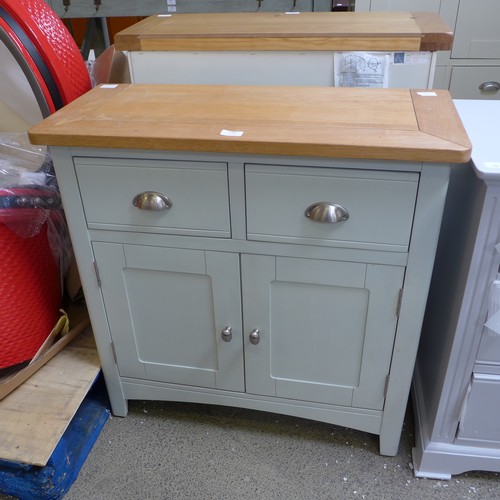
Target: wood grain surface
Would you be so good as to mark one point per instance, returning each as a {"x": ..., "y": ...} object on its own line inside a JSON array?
[
  {"x": 398, "y": 124},
  {"x": 284, "y": 31}
]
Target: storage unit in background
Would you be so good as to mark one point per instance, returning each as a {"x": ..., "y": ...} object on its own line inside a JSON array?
[
  {"x": 111, "y": 8},
  {"x": 287, "y": 48},
  {"x": 471, "y": 69}
]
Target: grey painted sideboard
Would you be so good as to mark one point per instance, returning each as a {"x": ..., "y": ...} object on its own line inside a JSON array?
[{"x": 262, "y": 247}]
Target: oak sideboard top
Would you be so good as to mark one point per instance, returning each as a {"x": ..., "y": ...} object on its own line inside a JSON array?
[
  {"x": 391, "y": 124},
  {"x": 389, "y": 31}
]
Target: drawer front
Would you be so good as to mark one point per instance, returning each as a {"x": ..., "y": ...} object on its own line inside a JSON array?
[
  {"x": 480, "y": 424},
  {"x": 197, "y": 191},
  {"x": 466, "y": 81},
  {"x": 489, "y": 349},
  {"x": 380, "y": 206}
]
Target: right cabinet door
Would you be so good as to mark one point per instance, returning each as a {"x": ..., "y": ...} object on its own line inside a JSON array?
[{"x": 325, "y": 328}]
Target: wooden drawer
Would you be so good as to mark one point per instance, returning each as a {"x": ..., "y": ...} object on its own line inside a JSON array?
[
  {"x": 380, "y": 206},
  {"x": 465, "y": 82},
  {"x": 198, "y": 192}
]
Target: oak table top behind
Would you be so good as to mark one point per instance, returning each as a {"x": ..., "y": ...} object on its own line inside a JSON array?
[{"x": 388, "y": 31}]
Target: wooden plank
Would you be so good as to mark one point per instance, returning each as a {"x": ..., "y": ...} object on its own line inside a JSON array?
[
  {"x": 435, "y": 33},
  {"x": 393, "y": 31},
  {"x": 298, "y": 121},
  {"x": 54, "y": 479},
  {"x": 331, "y": 43},
  {"x": 36, "y": 414},
  {"x": 13, "y": 378}
]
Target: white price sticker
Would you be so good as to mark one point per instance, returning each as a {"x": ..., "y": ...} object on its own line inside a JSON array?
[{"x": 231, "y": 133}]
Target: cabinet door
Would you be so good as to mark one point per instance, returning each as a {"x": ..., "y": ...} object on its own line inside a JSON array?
[
  {"x": 166, "y": 309},
  {"x": 480, "y": 425},
  {"x": 326, "y": 328},
  {"x": 399, "y": 5},
  {"x": 476, "y": 33}
]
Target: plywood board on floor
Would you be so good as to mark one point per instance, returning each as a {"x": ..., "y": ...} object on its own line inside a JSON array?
[{"x": 34, "y": 417}]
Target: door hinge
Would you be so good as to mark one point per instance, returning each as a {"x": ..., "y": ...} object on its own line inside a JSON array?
[
  {"x": 97, "y": 275},
  {"x": 400, "y": 300},
  {"x": 386, "y": 385},
  {"x": 114, "y": 352}
]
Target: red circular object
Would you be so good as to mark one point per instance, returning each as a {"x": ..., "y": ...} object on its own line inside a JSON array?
[
  {"x": 55, "y": 45},
  {"x": 29, "y": 68}
]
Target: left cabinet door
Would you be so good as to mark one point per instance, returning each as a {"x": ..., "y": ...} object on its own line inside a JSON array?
[{"x": 167, "y": 309}]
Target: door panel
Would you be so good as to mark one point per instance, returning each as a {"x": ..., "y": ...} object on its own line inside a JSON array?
[
  {"x": 164, "y": 315},
  {"x": 326, "y": 328}
]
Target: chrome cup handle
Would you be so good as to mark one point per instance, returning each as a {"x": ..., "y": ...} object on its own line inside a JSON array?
[
  {"x": 149, "y": 200},
  {"x": 490, "y": 87},
  {"x": 325, "y": 211}
]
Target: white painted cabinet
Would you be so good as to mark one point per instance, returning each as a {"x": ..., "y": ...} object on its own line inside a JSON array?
[
  {"x": 456, "y": 389},
  {"x": 471, "y": 70}
]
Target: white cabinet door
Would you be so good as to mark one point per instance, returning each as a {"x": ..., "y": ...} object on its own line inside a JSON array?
[
  {"x": 326, "y": 328},
  {"x": 166, "y": 310},
  {"x": 477, "y": 31},
  {"x": 399, "y": 5}
]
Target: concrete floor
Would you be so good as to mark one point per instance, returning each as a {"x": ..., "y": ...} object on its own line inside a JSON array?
[{"x": 187, "y": 451}]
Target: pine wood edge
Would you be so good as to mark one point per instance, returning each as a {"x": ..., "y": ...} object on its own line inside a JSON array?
[
  {"x": 429, "y": 148},
  {"x": 435, "y": 32},
  {"x": 311, "y": 43}
]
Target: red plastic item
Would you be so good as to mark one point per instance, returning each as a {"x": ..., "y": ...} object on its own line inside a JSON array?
[
  {"x": 55, "y": 45},
  {"x": 30, "y": 284},
  {"x": 30, "y": 69},
  {"x": 30, "y": 289}
]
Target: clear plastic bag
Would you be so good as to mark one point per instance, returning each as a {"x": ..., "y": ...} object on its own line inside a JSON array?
[{"x": 29, "y": 195}]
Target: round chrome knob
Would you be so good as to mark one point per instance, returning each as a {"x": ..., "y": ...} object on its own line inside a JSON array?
[
  {"x": 254, "y": 337},
  {"x": 227, "y": 334},
  {"x": 325, "y": 211},
  {"x": 150, "y": 200}
]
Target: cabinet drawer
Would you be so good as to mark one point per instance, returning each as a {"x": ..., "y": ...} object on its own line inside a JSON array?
[
  {"x": 198, "y": 192},
  {"x": 380, "y": 206},
  {"x": 465, "y": 82},
  {"x": 480, "y": 423}
]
